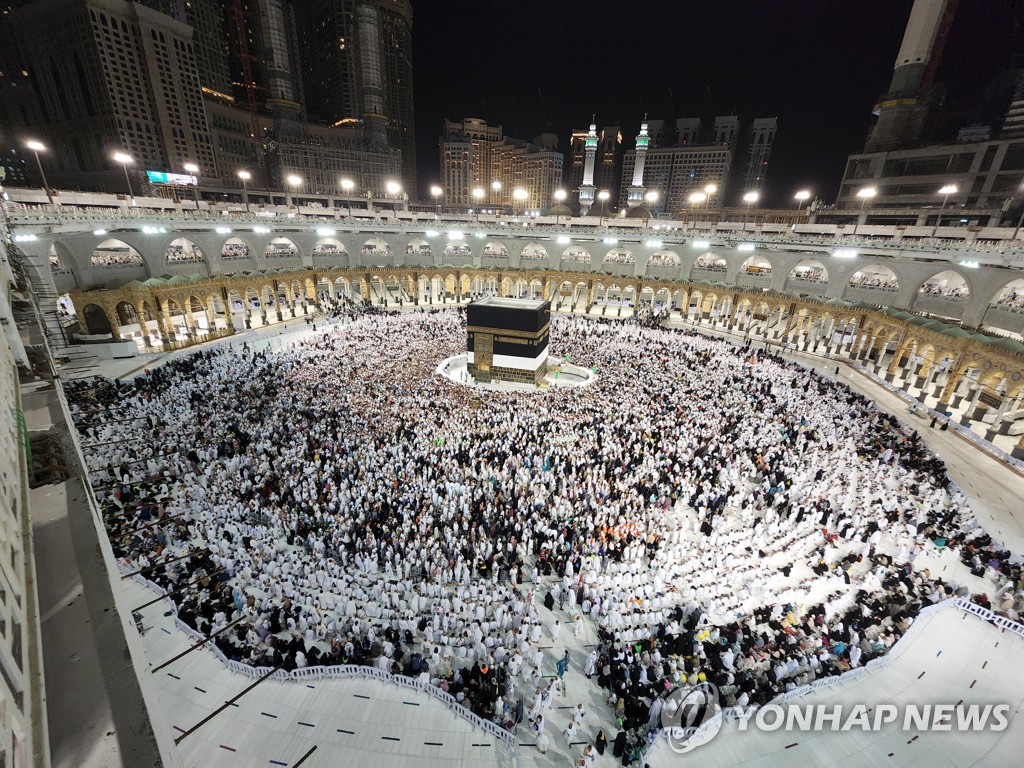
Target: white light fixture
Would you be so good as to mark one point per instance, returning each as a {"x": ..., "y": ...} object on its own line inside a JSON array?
[
  {"x": 563, "y": 240},
  {"x": 456, "y": 235},
  {"x": 603, "y": 195},
  {"x": 326, "y": 232},
  {"x": 99, "y": 232},
  {"x": 696, "y": 198},
  {"x": 802, "y": 195},
  {"x": 436, "y": 191},
  {"x": 520, "y": 194},
  {"x": 654, "y": 243},
  {"x": 710, "y": 189},
  {"x": 25, "y": 238},
  {"x": 122, "y": 158},
  {"x": 432, "y": 233},
  {"x": 261, "y": 230},
  {"x": 610, "y": 241},
  {"x": 560, "y": 195},
  {"x": 751, "y": 197},
  {"x": 244, "y": 175},
  {"x": 347, "y": 185},
  {"x": 845, "y": 253},
  {"x": 496, "y": 186},
  {"x": 294, "y": 180},
  {"x": 478, "y": 194},
  {"x": 36, "y": 146},
  {"x": 393, "y": 188},
  {"x": 701, "y": 244},
  {"x": 969, "y": 264},
  {"x": 223, "y": 230},
  {"x": 481, "y": 235},
  {"x": 746, "y": 247},
  {"x": 867, "y": 193}
]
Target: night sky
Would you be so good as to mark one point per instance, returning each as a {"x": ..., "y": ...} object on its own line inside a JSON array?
[{"x": 819, "y": 66}]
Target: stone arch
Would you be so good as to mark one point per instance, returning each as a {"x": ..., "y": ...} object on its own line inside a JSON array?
[
  {"x": 375, "y": 246},
  {"x": 533, "y": 252},
  {"x": 126, "y": 313},
  {"x": 183, "y": 250},
  {"x": 281, "y": 248},
  {"x": 234, "y": 248},
  {"x": 664, "y": 258},
  {"x": 329, "y": 246},
  {"x": 419, "y": 248},
  {"x": 96, "y": 320},
  {"x": 115, "y": 253},
  {"x": 459, "y": 248},
  {"x": 949, "y": 283},
  {"x": 576, "y": 254},
  {"x": 495, "y": 250},
  {"x": 757, "y": 264},
  {"x": 874, "y": 277},
  {"x": 619, "y": 256},
  {"x": 1010, "y": 295},
  {"x": 809, "y": 270},
  {"x": 711, "y": 261}
]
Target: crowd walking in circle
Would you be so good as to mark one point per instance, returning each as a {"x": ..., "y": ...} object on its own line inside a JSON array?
[{"x": 710, "y": 512}]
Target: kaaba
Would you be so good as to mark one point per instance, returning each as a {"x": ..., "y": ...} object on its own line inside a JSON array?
[{"x": 507, "y": 339}]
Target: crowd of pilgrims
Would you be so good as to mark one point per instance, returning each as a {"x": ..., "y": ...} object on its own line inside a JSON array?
[{"x": 717, "y": 513}]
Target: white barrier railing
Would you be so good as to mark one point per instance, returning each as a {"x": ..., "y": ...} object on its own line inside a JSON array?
[
  {"x": 880, "y": 662},
  {"x": 506, "y": 738}
]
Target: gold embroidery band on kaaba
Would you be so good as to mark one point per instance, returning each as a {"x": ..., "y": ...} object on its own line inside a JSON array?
[{"x": 507, "y": 332}]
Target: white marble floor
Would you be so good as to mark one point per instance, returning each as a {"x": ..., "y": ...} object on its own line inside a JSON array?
[{"x": 358, "y": 722}]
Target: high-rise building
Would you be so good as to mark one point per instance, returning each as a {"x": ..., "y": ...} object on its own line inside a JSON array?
[
  {"x": 608, "y": 168},
  {"x": 676, "y": 163},
  {"x": 677, "y": 172},
  {"x": 113, "y": 76},
  {"x": 1013, "y": 124},
  {"x": 726, "y": 130},
  {"x": 577, "y": 159},
  {"x": 902, "y": 109},
  {"x": 475, "y": 155},
  {"x": 357, "y": 65},
  {"x": 757, "y": 150}
]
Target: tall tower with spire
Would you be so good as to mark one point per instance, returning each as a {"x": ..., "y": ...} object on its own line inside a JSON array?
[
  {"x": 635, "y": 195},
  {"x": 587, "y": 188},
  {"x": 903, "y": 108}
]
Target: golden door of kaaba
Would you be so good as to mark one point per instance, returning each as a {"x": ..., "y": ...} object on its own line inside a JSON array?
[{"x": 483, "y": 350}]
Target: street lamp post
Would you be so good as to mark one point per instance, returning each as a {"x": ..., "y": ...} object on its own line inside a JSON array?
[
  {"x": 495, "y": 189},
  {"x": 801, "y": 197},
  {"x": 709, "y": 190},
  {"x": 560, "y": 195},
  {"x": 695, "y": 199},
  {"x": 749, "y": 198},
  {"x": 124, "y": 160},
  {"x": 347, "y": 185},
  {"x": 603, "y": 196},
  {"x": 520, "y": 195},
  {"x": 436, "y": 192},
  {"x": 245, "y": 176},
  {"x": 37, "y": 147},
  {"x": 193, "y": 169},
  {"x": 865, "y": 194},
  {"x": 294, "y": 182},
  {"x": 650, "y": 198},
  {"x": 479, "y": 194},
  {"x": 946, "y": 191}
]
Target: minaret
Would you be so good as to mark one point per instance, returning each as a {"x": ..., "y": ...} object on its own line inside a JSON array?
[
  {"x": 587, "y": 188},
  {"x": 902, "y": 109},
  {"x": 635, "y": 195}
]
